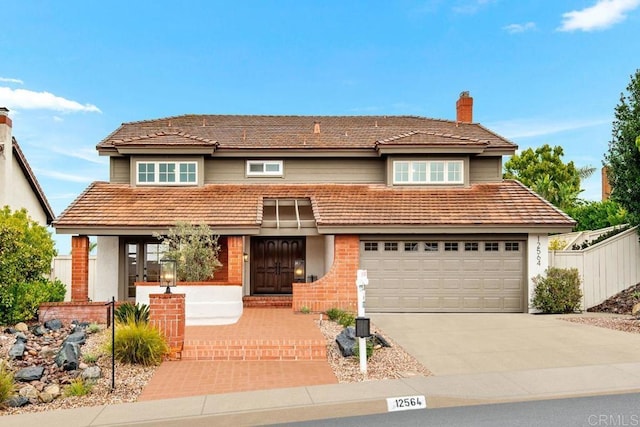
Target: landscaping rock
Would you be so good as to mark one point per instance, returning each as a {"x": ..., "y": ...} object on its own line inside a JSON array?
[
  {"x": 77, "y": 337},
  {"x": 346, "y": 341},
  {"x": 17, "y": 351},
  {"x": 16, "y": 401},
  {"x": 45, "y": 397},
  {"x": 621, "y": 303},
  {"x": 39, "y": 330},
  {"x": 636, "y": 309},
  {"x": 53, "y": 389},
  {"x": 30, "y": 392},
  {"x": 20, "y": 337},
  {"x": 31, "y": 373},
  {"x": 53, "y": 325},
  {"x": 92, "y": 373},
  {"x": 21, "y": 327},
  {"x": 68, "y": 356},
  {"x": 46, "y": 352},
  {"x": 379, "y": 340}
]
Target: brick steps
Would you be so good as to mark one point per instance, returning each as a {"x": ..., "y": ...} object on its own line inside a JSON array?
[
  {"x": 255, "y": 349},
  {"x": 268, "y": 301}
]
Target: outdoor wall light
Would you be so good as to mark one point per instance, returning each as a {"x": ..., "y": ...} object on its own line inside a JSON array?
[
  {"x": 362, "y": 327},
  {"x": 167, "y": 274},
  {"x": 245, "y": 257},
  {"x": 298, "y": 270}
]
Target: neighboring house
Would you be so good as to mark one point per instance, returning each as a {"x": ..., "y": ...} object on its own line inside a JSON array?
[
  {"x": 420, "y": 203},
  {"x": 19, "y": 187}
]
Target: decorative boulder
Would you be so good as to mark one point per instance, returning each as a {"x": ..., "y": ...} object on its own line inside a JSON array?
[
  {"x": 635, "y": 311},
  {"x": 68, "y": 356},
  {"x": 17, "y": 351},
  {"x": 16, "y": 401},
  {"x": 53, "y": 390},
  {"x": 39, "y": 330},
  {"x": 77, "y": 337},
  {"x": 379, "y": 340},
  {"x": 32, "y": 373},
  {"x": 91, "y": 373},
  {"x": 347, "y": 341},
  {"x": 30, "y": 392},
  {"x": 21, "y": 327},
  {"x": 54, "y": 324}
]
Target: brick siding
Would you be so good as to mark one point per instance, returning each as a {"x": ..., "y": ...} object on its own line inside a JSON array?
[
  {"x": 80, "y": 268},
  {"x": 336, "y": 289},
  {"x": 167, "y": 313}
]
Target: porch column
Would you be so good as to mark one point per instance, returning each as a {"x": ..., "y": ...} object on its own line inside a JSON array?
[
  {"x": 79, "y": 268},
  {"x": 235, "y": 262},
  {"x": 167, "y": 313}
]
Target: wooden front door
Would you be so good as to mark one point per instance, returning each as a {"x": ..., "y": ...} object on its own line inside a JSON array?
[{"x": 272, "y": 261}]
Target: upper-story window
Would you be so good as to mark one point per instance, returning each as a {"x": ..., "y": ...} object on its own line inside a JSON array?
[
  {"x": 427, "y": 172},
  {"x": 159, "y": 173},
  {"x": 264, "y": 167}
]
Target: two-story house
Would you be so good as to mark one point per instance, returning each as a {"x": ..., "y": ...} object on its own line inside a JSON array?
[
  {"x": 301, "y": 203},
  {"x": 19, "y": 188}
]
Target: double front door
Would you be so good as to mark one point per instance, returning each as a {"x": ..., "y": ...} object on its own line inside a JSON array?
[{"x": 272, "y": 263}]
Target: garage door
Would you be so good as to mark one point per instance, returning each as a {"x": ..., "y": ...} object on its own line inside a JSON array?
[{"x": 444, "y": 275}]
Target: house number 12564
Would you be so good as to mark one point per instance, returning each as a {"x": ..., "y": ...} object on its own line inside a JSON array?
[{"x": 539, "y": 251}]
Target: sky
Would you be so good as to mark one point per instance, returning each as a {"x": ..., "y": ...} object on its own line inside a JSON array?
[{"x": 540, "y": 72}]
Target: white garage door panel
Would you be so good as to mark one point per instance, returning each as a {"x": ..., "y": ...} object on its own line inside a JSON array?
[{"x": 479, "y": 279}]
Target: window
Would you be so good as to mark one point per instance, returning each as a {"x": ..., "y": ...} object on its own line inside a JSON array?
[
  {"x": 427, "y": 172},
  {"x": 390, "y": 246},
  {"x": 491, "y": 247},
  {"x": 411, "y": 247},
  {"x": 371, "y": 246},
  {"x": 167, "y": 173},
  {"x": 451, "y": 246},
  {"x": 264, "y": 167},
  {"x": 431, "y": 246},
  {"x": 471, "y": 246},
  {"x": 512, "y": 246}
]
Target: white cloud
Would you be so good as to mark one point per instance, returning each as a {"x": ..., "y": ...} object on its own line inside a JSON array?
[
  {"x": 527, "y": 128},
  {"x": 58, "y": 119},
  {"x": 64, "y": 176},
  {"x": 520, "y": 28},
  {"x": 601, "y": 15},
  {"x": 30, "y": 100},
  {"x": 10, "y": 80}
]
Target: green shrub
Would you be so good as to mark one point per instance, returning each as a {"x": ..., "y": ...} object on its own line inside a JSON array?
[
  {"x": 136, "y": 313},
  {"x": 305, "y": 310},
  {"x": 94, "y": 328},
  {"x": 90, "y": 358},
  {"x": 558, "y": 292},
  {"x": 20, "y": 301},
  {"x": 369, "y": 344},
  {"x": 347, "y": 319},
  {"x": 335, "y": 314},
  {"x": 78, "y": 387},
  {"x": 7, "y": 384},
  {"x": 139, "y": 343}
]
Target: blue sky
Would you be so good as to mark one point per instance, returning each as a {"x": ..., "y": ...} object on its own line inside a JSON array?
[{"x": 539, "y": 71}]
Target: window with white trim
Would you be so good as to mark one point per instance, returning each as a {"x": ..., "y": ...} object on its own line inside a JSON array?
[
  {"x": 159, "y": 173},
  {"x": 428, "y": 172},
  {"x": 264, "y": 168}
]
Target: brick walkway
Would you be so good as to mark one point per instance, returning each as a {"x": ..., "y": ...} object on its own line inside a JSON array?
[{"x": 276, "y": 328}]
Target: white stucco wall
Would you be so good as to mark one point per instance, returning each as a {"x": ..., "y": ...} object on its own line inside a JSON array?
[
  {"x": 537, "y": 262},
  {"x": 315, "y": 256},
  {"x": 328, "y": 252},
  {"x": 105, "y": 285}
]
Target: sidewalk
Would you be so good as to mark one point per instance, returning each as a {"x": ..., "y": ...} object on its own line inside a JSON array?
[{"x": 340, "y": 400}]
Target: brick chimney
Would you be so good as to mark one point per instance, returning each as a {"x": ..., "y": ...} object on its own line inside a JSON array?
[
  {"x": 6, "y": 157},
  {"x": 606, "y": 186},
  {"x": 464, "y": 108}
]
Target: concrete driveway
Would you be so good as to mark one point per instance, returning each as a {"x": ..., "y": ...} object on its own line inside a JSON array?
[{"x": 452, "y": 344}]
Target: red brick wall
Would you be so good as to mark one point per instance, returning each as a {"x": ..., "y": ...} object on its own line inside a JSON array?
[
  {"x": 80, "y": 268},
  {"x": 96, "y": 312},
  {"x": 464, "y": 108},
  {"x": 167, "y": 313},
  {"x": 337, "y": 289},
  {"x": 235, "y": 259},
  {"x": 223, "y": 256}
]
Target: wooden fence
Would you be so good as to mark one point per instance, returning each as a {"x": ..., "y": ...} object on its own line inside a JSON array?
[{"x": 61, "y": 269}]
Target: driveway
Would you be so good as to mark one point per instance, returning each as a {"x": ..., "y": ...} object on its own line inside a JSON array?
[{"x": 451, "y": 344}]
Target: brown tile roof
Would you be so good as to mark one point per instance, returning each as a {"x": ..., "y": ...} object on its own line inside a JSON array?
[
  {"x": 33, "y": 181},
  {"x": 288, "y": 132},
  {"x": 105, "y": 205}
]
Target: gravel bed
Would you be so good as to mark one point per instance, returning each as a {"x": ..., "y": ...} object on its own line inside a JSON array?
[
  {"x": 625, "y": 324},
  {"x": 130, "y": 380},
  {"x": 385, "y": 363}
]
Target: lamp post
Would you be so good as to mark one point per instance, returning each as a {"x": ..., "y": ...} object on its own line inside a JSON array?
[{"x": 167, "y": 274}]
